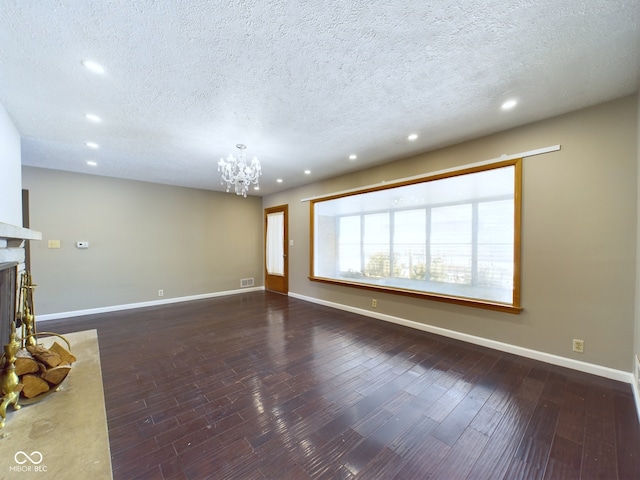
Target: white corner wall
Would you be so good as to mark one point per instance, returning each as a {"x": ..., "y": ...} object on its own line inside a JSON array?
[{"x": 10, "y": 171}]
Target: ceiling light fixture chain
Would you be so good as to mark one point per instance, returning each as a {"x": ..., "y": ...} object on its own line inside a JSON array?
[{"x": 239, "y": 172}]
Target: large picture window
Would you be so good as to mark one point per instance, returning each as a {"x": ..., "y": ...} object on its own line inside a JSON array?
[{"x": 453, "y": 237}]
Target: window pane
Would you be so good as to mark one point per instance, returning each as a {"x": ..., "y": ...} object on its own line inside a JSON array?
[
  {"x": 275, "y": 243},
  {"x": 410, "y": 244},
  {"x": 451, "y": 230},
  {"x": 375, "y": 242},
  {"x": 325, "y": 245},
  {"x": 349, "y": 256},
  {"x": 495, "y": 244}
]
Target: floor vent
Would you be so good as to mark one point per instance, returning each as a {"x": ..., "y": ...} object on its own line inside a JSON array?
[{"x": 246, "y": 282}]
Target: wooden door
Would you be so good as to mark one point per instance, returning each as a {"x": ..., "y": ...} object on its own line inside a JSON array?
[{"x": 276, "y": 243}]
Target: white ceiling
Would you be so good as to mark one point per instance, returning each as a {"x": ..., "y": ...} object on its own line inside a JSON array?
[{"x": 302, "y": 84}]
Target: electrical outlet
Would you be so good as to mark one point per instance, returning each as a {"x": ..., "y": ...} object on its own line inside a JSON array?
[
  {"x": 374, "y": 303},
  {"x": 160, "y": 293},
  {"x": 578, "y": 345}
]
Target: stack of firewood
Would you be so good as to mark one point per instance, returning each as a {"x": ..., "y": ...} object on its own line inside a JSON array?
[{"x": 41, "y": 369}]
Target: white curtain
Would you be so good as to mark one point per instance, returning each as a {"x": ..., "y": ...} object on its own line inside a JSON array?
[{"x": 275, "y": 243}]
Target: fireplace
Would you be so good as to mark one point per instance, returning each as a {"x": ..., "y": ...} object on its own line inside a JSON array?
[
  {"x": 13, "y": 240},
  {"x": 12, "y": 266},
  {"x": 8, "y": 295}
]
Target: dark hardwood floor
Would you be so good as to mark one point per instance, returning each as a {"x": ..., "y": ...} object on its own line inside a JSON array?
[{"x": 262, "y": 386}]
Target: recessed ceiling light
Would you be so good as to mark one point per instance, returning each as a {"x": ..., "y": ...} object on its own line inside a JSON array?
[
  {"x": 412, "y": 137},
  {"x": 353, "y": 156},
  {"x": 307, "y": 172},
  {"x": 92, "y": 145},
  {"x": 92, "y": 117},
  {"x": 509, "y": 104},
  {"x": 92, "y": 163},
  {"x": 256, "y": 187},
  {"x": 279, "y": 180},
  {"x": 92, "y": 66}
]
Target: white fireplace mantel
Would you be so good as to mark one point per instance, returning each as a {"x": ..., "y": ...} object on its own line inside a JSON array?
[{"x": 12, "y": 240}]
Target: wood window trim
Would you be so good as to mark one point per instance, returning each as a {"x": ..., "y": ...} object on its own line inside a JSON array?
[{"x": 513, "y": 308}]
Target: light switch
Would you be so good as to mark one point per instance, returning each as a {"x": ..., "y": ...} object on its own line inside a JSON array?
[{"x": 53, "y": 243}]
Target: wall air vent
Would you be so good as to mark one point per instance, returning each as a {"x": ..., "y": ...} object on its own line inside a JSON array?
[{"x": 246, "y": 282}]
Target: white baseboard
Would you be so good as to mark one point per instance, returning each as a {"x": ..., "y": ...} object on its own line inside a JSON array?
[
  {"x": 619, "y": 375},
  {"x": 153, "y": 303}
]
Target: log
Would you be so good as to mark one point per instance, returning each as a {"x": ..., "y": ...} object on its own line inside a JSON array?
[
  {"x": 46, "y": 356},
  {"x": 33, "y": 385},
  {"x": 57, "y": 374},
  {"x": 26, "y": 365},
  {"x": 66, "y": 356}
]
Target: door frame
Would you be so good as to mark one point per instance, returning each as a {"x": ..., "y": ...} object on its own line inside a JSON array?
[{"x": 277, "y": 283}]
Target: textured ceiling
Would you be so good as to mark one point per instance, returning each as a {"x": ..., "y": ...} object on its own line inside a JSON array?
[{"x": 302, "y": 84}]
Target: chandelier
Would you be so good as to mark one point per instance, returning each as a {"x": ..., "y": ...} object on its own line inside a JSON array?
[{"x": 239, "y": 172}]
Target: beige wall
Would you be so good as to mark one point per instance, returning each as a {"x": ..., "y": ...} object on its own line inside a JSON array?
[
  {"x": 579, "y": 237},
  {"x": 143, "y": 237},
  {"x": 636, "y": 343},
  {"x": 10, "y": 176}
]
